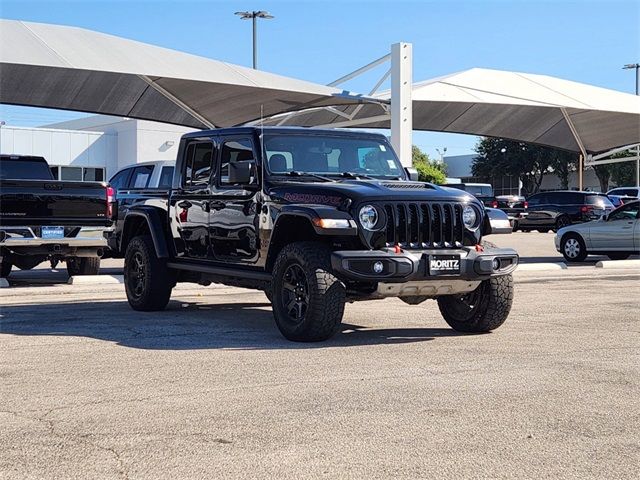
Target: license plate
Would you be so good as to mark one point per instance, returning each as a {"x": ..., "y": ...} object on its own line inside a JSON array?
[
  {"x": 444, "y": 264},
  {"x": 52, "y": 232}
]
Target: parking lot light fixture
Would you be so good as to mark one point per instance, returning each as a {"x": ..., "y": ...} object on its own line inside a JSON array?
[{"x": 253, "y": 16}]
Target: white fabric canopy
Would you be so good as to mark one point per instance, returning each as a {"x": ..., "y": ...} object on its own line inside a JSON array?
[
  {"x": 519, "y": 106},
  {"x": 76, "y": 69}
]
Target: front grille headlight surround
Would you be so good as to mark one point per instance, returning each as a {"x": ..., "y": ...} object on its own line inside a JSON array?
[
  {"x": 471, "y": 217},
  {"x": 371, "y": 218}
]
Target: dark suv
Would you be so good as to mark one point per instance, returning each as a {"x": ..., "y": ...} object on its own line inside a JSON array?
[{"x": 554, "y": 210}]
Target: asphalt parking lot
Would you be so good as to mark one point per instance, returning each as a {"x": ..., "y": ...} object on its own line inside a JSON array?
[{"x": 209, "y": 388}]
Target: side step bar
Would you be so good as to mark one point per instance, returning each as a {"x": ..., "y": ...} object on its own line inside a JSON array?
[{"x": 222, "y": 271}]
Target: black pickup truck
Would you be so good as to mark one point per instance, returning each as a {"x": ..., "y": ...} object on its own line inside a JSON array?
[
  {"x": 315, "y": 219},
  {"x": 45, "y": 219}
]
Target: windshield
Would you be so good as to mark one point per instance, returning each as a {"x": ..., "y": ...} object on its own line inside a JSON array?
[{"x": 331, "y": 155}]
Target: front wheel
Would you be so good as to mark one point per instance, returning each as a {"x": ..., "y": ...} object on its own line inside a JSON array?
[
  {"x": 573, "y": 248},
  {"x": 5, "y": 268},
  {"x": 308, "y": 300},
  {"x": 480, "y": 311},
  {"x": 83, "y": 266},
  {"x": 147, "y": 280}
]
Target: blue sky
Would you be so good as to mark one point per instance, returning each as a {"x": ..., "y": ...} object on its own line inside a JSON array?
[{"x": 585, "y": 41}]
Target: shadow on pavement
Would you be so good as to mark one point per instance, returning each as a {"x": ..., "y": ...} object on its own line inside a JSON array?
[{"x": 186, "y": 326}]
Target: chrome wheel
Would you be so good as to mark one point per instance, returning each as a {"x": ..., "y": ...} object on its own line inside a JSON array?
[
  {"x": 572, "y": 248},
  {"x": 295, "y": 293}
]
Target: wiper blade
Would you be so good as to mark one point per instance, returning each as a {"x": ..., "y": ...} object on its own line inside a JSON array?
[
  {"x": 295, "y": 173},
  {"x": 356, "y": 175}
]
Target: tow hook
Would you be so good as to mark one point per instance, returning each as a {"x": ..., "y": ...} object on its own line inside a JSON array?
[{"x": 479, "y": 248}]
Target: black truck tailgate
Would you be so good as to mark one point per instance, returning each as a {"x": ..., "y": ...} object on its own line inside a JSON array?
[{"x": 51, "y": 202}]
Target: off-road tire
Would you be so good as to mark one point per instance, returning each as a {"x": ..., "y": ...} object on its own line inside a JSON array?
[
  {"x": 325, "y": 293},
  {"x": 152, "y": 291},
  {"x": 580, "y": 245},
  {"x": 493, "y": 300},
  {"x": 83, "y": 266},
  {"x": 5, "y": 268},
  {"x": 618, "y": 255}
]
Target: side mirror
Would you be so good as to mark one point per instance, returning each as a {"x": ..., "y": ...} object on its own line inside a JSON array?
[
  {"x": 412, "y": 173},
  {"x": 240, "y": 172}
]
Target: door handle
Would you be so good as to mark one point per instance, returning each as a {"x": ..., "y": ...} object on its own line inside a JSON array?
[
  {"x": 206, "y": 206},
  {"x": 217, "y": 205},
  {"x": 185, "y": 204}
]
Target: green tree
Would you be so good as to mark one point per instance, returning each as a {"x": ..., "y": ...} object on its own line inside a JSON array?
[
  {"x": 428, "y": 170},
  {"x": 603, "y": 172},
  {"x": 498, "y": 157},
  {"x": 623, "y": 174}
]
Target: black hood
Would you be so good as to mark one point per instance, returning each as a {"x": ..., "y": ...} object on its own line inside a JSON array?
[{"x": 358, "y": 191}]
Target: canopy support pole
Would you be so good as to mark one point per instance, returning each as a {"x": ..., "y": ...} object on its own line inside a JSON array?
[
  {"x": 176, "y": 101},
  {"x": 583, "y": 151},
  {"x": 401, "y": 102}
]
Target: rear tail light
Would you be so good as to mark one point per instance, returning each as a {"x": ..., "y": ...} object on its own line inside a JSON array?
[
  {"x": 526, "y": 204},
  {"x": 586, "y": 208},
  {"x": 111, "y": 198},
  {"x": 494, "y": 204}
]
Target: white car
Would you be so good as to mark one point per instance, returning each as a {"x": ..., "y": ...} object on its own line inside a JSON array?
[
  {"x": 625, "y": 192},
  {"x": 616, "y": 235}
]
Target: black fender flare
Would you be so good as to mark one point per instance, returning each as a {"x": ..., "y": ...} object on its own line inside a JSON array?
[
  {"x": 155, "y": 221},
  {"x": 313, "y": 213}
]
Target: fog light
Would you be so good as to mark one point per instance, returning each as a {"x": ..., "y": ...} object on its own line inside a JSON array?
[
  {"x": 496, "y": 264},
  {"x": 378, "y": 267}
]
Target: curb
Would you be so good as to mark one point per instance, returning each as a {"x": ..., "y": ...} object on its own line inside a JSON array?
[
  {"x": 95, "y": 279},
  {"x": 537, "y": 267},
  {"x": 618, "y": 264}
]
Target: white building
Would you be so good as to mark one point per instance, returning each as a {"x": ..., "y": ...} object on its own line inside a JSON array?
[{"x": 95, "y": 147}]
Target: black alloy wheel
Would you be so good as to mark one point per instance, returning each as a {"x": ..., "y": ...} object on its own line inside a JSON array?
[
  {"x": 137, "y": 275},
  {"x": 295, "y": 294}
]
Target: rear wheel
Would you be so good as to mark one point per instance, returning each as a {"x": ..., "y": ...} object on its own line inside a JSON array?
[
  {"x": 5, "y": 268},
  {"x": 83, "y": 266},
  {"x": 308, "y": 300},
  {"x": 618, "y": 255},
  {"x": 147, "y": 280},
  {"x": 480, "y": 311},
  {"x": 573, "y": 248},
  {"x": 562, "y": 222}
]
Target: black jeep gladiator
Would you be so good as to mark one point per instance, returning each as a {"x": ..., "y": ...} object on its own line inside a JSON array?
[
  {"x": 42, "y": 218},
  {"x": 315, "y": 219}
]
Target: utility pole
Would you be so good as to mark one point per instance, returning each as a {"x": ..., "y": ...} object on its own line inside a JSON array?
[
  {"x": 636, "y": 67},
  {"x": 253, "y": 16}
]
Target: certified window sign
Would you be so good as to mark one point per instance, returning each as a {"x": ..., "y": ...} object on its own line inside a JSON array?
[{"x": 444, "y": 264}]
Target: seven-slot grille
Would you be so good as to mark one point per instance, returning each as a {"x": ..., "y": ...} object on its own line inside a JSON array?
[{"x": 424, "y": 225}]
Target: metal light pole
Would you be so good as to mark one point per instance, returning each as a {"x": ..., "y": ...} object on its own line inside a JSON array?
[
  {"x": 636, "y": 66},
  {"x": 253, "y": 16}
]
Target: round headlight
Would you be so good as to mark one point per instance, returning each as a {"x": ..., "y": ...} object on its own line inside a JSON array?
[
  {"x": 368, "y": 217},
  {"x": 469, "y": 217}
]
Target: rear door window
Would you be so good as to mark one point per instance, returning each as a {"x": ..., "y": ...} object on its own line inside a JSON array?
[
  {"x": 141, "y": 176},
  {"x": 600, "y": 200},
  {"x": 198, "y": 164},
  {"x": 538, "y": 199},
  {"x": 166, "y": 177}
]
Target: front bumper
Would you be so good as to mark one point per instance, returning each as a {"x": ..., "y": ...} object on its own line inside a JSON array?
[{"x": 389, "y": 267}]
